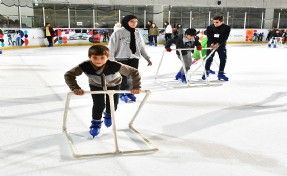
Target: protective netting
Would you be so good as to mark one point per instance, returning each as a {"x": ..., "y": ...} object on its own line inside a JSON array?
[
  {"x": 67, "y": 4},
  {"x": 22, "y": 3}
]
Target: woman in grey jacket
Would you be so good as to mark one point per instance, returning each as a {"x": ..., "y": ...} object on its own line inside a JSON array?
[{"x": 127, "y": 46}]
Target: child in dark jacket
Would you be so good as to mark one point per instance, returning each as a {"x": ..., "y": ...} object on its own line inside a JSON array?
[
  {"x": 188, "y": 40},
  {"x": 104, "y": 75}
]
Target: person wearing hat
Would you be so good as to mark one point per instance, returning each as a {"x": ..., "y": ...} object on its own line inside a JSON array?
[
  {"x": 188, "y": 40},
  {"x": 127, "y": 46}
]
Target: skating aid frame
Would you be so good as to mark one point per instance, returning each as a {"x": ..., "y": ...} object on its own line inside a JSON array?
[{"x": 117, "y": 151}]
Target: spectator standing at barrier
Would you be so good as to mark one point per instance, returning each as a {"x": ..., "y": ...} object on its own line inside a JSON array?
[
  {"x": 188, "y": 40},
  {"x": 179, "y": 29},
  {"x": 217, "y": 35},
  {"x": 127, "y": 46},
  {"x": 148, "y": 26},
  {"x": 153, "y": 32},
  {"x": 268, "y": 35},
  {"x": 103, "y": 75},
  {"x": 167, "y": 31},
  {"x": 274, "y": 34},
  {"x": 106, "y": 36},
  {"x": 284, "y": 36},
  {"x": 49, "y": 34}
]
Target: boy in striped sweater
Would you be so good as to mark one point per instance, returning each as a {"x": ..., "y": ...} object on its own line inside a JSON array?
[{"x": 103, "y": 75}]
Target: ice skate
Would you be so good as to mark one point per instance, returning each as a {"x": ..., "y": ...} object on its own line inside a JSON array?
[
  {"x": 95, "y": 127},
  {"x": 221, "y": 76},
  {"x": 132, "y": 97},
  {"x": 123, "y": 97},
  {"x": 108, "y": 119},
  {"x": 183, "y": 79},
  {"x": 178, "y": 76},
  {"x": 207, "y": 74}
]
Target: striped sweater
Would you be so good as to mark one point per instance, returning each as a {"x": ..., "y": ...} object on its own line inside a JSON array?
[{"x": 109, "y": 75}]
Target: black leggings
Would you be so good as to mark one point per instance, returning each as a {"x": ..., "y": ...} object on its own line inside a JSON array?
[
  {"x": 99, "y": 102},
  {"x": 50, "y": 40},
  {"x": 167, "y": 36},
  {"x": 130, "y": 62}
]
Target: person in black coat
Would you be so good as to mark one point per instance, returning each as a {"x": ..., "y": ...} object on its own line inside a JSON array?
[{"x": 217, "y": 35}]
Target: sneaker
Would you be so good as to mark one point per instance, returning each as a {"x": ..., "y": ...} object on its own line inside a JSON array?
[
  {"x": 123, "y": 97},
  {"x": 95, "y": 127},
  {"x": 108, "y": 119},
  {"x": 183, "y": 78},
  {"x": 221, "y": 76},
  {"x": 132, "y": 97},
  {"x": 178, "y": 76}
]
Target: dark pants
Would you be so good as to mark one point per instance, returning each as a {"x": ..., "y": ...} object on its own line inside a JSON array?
[
  {"x": 100, "y": 101},
  {"x": 149, "y": 38},
  {"x": 154, "y": 38},
  {"x": 49, "y": 38},
  {"x": 222, "y": 57},
  {"x": 130, "y": 62},
  {"x": 167, "y": 37}
]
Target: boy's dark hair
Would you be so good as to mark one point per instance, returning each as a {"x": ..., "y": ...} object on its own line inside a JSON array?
[
  {"x": 190, "y": 31},
  {"x": 220, "y": 18},
  {"x": 99, "y": 50}
]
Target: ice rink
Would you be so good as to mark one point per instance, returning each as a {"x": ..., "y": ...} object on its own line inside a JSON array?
[{"x": 235, "y": 128}]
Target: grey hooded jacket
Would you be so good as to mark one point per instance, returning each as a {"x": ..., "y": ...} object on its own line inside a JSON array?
[{"x": 119, "y": 46}]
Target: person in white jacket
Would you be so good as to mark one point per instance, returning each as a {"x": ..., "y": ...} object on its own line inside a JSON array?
[
  {"x": 127, "y": 46},
  {"x": 168, "y": 31}
]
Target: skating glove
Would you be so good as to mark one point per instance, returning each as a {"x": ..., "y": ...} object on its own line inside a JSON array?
[
  {"x": 199, "y": 47},
  {"x": 168, "y": 49}
]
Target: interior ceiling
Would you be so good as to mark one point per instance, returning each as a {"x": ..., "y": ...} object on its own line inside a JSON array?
[{"x": 201, "y": 3}]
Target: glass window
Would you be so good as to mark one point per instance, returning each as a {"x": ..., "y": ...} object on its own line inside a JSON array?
[
  {"x": 38, "y": 17},
  {"x": 283, "y": 18},
  {"x": 81, "y": 16},
  {"x": 254, "y": 18},
  {"x": 236, "y": 17},
  {"x": 57, "y": 15},
  {"x": 10, "y": 20},
  {"x": 106, "y": 16}
]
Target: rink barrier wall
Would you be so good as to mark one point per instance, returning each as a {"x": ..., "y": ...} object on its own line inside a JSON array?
[{"x": 34, "y": 37}]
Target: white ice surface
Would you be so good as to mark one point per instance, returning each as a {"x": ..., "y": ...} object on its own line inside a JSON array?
[{"x": 238, "y": 128}]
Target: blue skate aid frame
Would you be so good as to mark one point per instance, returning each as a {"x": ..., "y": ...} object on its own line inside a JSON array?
[
  {"x": 183, "y": 65},
  {"x": 117, "y": 151}
]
